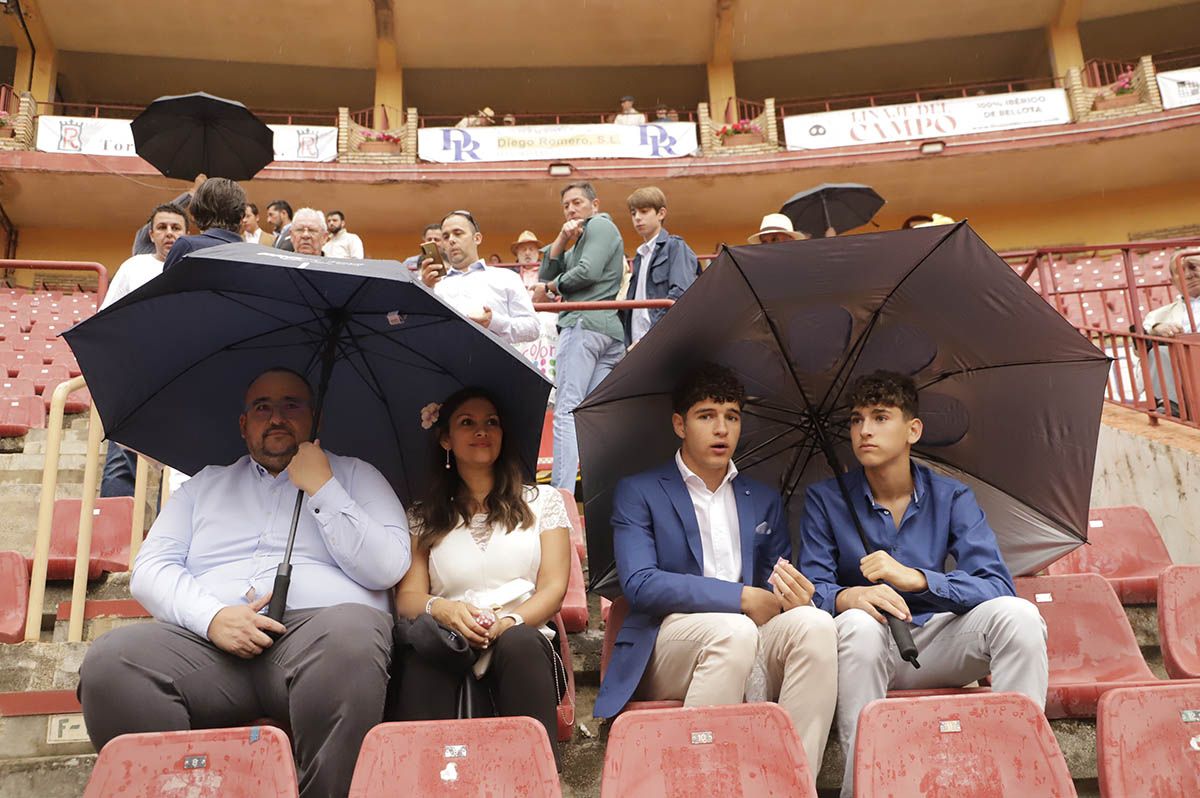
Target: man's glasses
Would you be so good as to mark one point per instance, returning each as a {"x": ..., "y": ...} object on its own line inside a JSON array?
[
  {"x": 467, "y": 215},
  {"x": 310, "y": 230},
  {"x": 288, "y": 408}
]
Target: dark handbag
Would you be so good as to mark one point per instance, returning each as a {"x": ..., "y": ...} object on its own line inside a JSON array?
[{"x": 434, "y": 643}]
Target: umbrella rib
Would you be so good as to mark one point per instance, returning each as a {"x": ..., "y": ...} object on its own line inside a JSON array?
[
  {"x": 755, "y": 449},
  {"x": 433, "y": 365},
  {"x": 799, "y": 472}
]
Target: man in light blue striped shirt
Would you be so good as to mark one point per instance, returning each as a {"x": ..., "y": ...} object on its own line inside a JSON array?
[{"x": 206, "y": 570}]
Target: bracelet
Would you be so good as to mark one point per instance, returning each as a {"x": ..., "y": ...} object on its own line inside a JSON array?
[
  {"x": 429, "y": 604},
  {"x": 513, "y": 616}
]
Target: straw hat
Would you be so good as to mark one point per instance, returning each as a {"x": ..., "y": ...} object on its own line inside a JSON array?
[
  {"x": 775, "y": 223},
  {"x": 526, "y": 237},
  {"x": 935, "y": 220}
]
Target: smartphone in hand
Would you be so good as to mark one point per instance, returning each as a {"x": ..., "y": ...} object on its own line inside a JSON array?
[{"x": 429, "y": 249}]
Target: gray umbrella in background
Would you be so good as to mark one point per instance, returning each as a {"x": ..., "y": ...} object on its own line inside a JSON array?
[
  {"x": 1010, "y": 393},
  {"x": 841, "y": 206}
]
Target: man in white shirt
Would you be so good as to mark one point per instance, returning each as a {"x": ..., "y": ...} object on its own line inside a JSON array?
[
  {"x": 628, "y": 114},
  {"x": 663, "y": 268},
  {"x": 308, "y": 232},
  {"x": 1171, "y": 320},
  {"x": 251, "y": 232},
  {"x": 167, "y": 223},
  {"x": 206, "y": 571},
  {"x": 494, "y": 298},
  {"x": 717, "y": 612},
  {"x": 342, "y": 243}
]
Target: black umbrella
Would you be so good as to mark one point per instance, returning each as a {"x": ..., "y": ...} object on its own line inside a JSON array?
[
  {"x": 1010, "y": 393},
  {"x": 842, "y": 206},
  {"x": 167, "y": 365},
  {"x": 194, "y": 134}
]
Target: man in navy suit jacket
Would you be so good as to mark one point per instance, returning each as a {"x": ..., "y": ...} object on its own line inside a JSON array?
[{"x": 717, "y": 612}]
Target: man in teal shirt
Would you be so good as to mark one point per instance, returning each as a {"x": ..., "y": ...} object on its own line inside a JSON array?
[{"x": 584, "y": 264}]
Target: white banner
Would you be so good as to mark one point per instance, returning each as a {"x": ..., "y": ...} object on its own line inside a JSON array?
[
  {"x": 937, "y": 119},
  {"x": 556, "y": 142},
  {"x": 1179, "y": 87},
  {"x": 90, "y": 136}
]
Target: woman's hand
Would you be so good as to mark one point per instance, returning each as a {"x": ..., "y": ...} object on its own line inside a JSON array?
[
  {"x": 500, "y": 627},
  {"x": 460, "y": 616}
]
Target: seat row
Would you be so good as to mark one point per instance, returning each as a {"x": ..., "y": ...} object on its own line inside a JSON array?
[{"x": 965, "y": 746}]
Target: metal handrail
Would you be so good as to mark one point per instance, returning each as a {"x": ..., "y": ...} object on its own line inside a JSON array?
[
  {"x": 129, "y": 111},
  {"x": 64, "y": 266}
]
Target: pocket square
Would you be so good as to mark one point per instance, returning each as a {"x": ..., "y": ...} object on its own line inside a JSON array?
[{"x": 762, "y": 529}]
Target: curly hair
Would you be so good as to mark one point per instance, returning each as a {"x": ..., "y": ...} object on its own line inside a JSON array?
[
  {"x": 447, "y": 502},
  {"x": 707, "y": 381},
  {"x": 886, "y": 388},
  {"x": 219, "y": 203}
]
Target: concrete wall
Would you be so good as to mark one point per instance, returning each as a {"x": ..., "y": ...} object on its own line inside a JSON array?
[{"x": 1157, "y": 467}]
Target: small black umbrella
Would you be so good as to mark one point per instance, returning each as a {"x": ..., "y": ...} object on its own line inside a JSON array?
[
  {"x": 842, "y": 206},
  {"x": 194, "y": 134},
  {"x": 168, "y": 364},
  {"x": 1010, "y": 393}
]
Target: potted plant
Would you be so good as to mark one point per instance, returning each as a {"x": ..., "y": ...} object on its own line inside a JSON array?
[
  {"x": 380, "y": 141},
  {"x": 740, "y": 133},
  {"x": 1120, "y": 94},
  {"x": 6, "y": 126}
]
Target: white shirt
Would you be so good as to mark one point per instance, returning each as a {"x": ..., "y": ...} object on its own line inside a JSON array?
[
  {"x": 343, "y": 245},
  {"x": 132, "y": 275},
  {"x": 253, "y": 238},
  {"x": 1174, "y": 313},
  {"x": 633, "y": 117},
  {"x": 716, "y": 514},
  {"x": 502, "y": 290},
  {"x": 222, "y": 534},
  {"x": 639, "y": 321}
]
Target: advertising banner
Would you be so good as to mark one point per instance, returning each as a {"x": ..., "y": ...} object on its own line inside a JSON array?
[
  {"x": 1179, "y": 87},
  {"x": 556, "y": 142}
]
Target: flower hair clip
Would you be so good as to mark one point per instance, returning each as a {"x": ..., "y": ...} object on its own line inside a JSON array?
[{"x": 429, "y": 415}]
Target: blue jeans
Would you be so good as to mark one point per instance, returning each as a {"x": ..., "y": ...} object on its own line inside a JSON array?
[
  {"x": 584, "y": 360},
  {"x": 120, "y": 470}
]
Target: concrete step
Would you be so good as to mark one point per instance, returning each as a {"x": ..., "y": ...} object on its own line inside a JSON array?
[
  {"x": 27, "y": 469},
  {"x": 58, "y": 776},
  {"x": 40, "y": 666}
]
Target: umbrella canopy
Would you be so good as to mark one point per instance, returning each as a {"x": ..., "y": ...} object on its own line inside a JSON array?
[
  {"x": 169, "y": 364},
  {"x": 1010, "y": 393},
  {"x": 842, "y": 206},
  {"x": 194, "y": 134}
]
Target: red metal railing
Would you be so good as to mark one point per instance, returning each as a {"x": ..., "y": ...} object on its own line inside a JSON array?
[
  {"x": 1099, "y": 72},
  {"x": 65, "y": 266},
  {"x": 554, "y": 118},
  {"x": 924, "y": 94},
  {"x": 127, "y": 111},
  {"x": 10, "y": 102},
  {"x": 390, "y": 119}
]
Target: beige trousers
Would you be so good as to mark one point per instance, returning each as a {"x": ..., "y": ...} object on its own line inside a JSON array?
[{"x": 704, "y": 659}]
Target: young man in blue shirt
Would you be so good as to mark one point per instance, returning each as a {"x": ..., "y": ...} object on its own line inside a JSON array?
[{"x": 967, "y": 622}]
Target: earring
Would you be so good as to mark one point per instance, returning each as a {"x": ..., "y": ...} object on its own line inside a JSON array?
[{"x": 447, "y": 459}]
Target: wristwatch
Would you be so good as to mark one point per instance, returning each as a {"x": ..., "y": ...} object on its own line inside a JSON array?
[{"x": 516, "y": 618}]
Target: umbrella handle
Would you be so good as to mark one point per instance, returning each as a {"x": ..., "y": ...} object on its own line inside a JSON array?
[
  {"x": 901, "y": 634},
  {"x": 283, "y": 580}
]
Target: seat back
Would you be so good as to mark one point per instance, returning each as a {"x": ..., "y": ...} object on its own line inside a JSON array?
[
  {"x": 574, "y": 605},
  {"x": 616, "y": 616},
  {"x": 1122, "y": 542},
  {"x": 576, "y": 519},
  {"x": 983, "y": 745},
  {"x": 13, "y": 387},
  {"x": 112, "y": 522},
  {"x": 737, "y": 750},
  {"x": 1148, "y": 741},
  {"x": 497, "y": 757},
  {"x": 1179, "y": 620},
  {"x": 249, "y": 762},
  {"x": 14, "y": 596},
  {"x": 1088, "y": 634},
  {"x": 19, "y": 414}
]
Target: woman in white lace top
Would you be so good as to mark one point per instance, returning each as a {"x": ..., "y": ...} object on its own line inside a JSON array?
[{"x": 477, "y": 531}]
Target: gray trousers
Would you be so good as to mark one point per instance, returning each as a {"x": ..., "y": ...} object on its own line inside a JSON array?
[
  {"x": 326, "y": 678},
  {"x": 1004, "y": 636}
]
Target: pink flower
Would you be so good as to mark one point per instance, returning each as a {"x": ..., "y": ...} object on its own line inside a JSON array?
[{"x": 429, "y": 415}]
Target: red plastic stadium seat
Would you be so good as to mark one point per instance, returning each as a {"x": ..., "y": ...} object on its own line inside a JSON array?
[
  {"x": 1148, "y": 741},
  {"x": 111, "y": 524},
  {"x": 738, "y": 750},
  {"x": 974, "y": 746},
  {"x": 14, "y": 596},
  {"x": 11, "y": 387},
  {"x": 576, "y": 519},
  {"x": 617, "y": 611},
  {"x": 20, "y": 414},
  {"x": 13, "y": 362},
  {"x": 1125, "y": 548},
  {"x": 574, "y": 606},
  {"x": 67, "y": 360},
  {"x": 545, "y": 460},
  {"x": 43, "y": 375},
  {"x": 566, "y": 707},
  {"x": 248, "y": 762},
  {"x": 477, "y": 757},
  {"x": 1090, "y": 643},
  {"x": 605, "y": 609},
  {"x": 77, "y": 401},
  {"x": 1179, "y": 621}
]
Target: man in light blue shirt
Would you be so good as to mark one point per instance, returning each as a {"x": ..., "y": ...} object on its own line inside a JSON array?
[
  {"x": 967, "y": 621},
  {"x": 206, "y": 570}
]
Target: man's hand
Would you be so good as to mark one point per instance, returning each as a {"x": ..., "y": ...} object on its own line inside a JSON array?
[
  {"x": 239, "y": 629},
  {"x": 540, "y": 293},
  {"x": 760, "y": 605},
  {"x": 309, "y": 469},
  {"x": 569, "y": 232},
  {"x": 872, "y": 600},
  {"x": 484, "y": 319},
  {"x": 791, "y": 586},
  {"x": 1166, "y": 329},
  {"x": 879, "y": 566},
  {"x": 431, "y": 272}
]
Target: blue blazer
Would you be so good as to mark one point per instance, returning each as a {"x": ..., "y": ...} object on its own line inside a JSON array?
[{"x": 656, "y": 540}]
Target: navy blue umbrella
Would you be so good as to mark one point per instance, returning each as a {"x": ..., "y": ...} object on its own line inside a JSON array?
[
  {"x": 193, "y": 134},
  {"x": 169, "y": 364}
]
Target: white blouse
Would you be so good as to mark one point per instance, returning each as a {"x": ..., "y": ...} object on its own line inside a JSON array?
[{"x": 476, "y": 557}]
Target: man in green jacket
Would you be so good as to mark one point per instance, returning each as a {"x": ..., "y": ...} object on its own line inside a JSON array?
[{"x": 584, "y": 264}]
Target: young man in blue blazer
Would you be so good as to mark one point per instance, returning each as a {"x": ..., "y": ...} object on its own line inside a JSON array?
[{"x": 717, "y": 612}]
